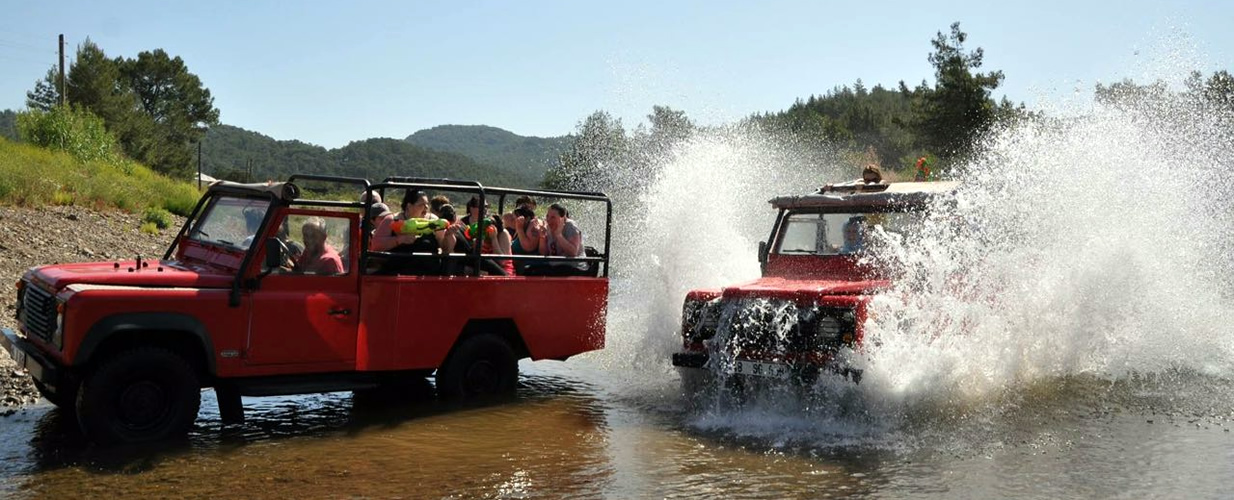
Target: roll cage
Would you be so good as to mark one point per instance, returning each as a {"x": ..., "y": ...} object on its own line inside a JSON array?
[{"x": 287, "y": 194}]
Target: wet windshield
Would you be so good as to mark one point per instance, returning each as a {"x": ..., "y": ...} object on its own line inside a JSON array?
[
  {"x": 231, "y": 221},
  {"x": 841, "y": 233}
]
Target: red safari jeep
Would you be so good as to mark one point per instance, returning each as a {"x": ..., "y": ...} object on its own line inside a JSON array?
[
  {"x": 819, "y": 270},
  {"x": 128, "y": 346}
]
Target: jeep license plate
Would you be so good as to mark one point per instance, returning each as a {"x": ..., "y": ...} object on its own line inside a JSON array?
[{"x": 761, "y": 369}]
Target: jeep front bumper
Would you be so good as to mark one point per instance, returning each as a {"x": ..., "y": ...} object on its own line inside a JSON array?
[
  {"x": 690, "y": 359},
  {"x": 806, "y": 371},
  {"x": 28, "y": 357}
]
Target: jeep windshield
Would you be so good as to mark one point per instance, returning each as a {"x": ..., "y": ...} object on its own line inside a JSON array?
[
  {"x": 230, "y": 221},
  {"x": 841, "y": 233}
]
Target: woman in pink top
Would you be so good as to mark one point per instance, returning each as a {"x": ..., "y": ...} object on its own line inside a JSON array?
[{"x": 415, "y": 206}]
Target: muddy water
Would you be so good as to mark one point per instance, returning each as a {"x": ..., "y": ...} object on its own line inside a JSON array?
[{"x": 572, "y": 432}]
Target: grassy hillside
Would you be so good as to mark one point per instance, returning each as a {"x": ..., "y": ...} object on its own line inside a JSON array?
[
  {"x": 34, "y": 176},
  {"x": 523, "y": 156},
  {"x": 229, "y": 152}
]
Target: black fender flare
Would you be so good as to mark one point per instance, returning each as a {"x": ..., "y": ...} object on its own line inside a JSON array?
[{"x": 120, "y": 324}]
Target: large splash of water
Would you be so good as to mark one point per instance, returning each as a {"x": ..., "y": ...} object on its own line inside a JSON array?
[{"x": 1093, "y": 243}]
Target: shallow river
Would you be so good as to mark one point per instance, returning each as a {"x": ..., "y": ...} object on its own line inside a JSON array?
[{"x": 576, "y": 431}]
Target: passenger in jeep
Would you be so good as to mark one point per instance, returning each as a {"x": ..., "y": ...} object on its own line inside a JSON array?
[
  {"x": 318, "y": 257},
  {"x": 416, "y": 206},
  {"x": 854, "y": 236},
  {"x": 561, "y": 238}
]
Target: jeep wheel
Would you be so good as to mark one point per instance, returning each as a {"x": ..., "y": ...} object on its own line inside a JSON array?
[
  {"x": 480, "y": 365},
  {"x": 144, "y": 394}
]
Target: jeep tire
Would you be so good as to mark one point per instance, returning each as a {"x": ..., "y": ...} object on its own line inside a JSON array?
[
  {"x": 481, "y": 365},
  {"x": 139, "y": 395}
]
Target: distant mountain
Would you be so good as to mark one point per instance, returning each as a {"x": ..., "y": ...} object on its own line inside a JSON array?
[
  {"x": 526, "y": 157},
  {"x": 234, "y": 153}
]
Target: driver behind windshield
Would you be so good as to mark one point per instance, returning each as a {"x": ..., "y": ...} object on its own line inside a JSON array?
[
  {"x": 854, "y": 236},
  {"x": 318, "y": 257}
]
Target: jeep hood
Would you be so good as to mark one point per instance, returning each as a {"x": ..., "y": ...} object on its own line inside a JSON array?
[
  {"x": 802, "y": 289},
  {"x": 153, "y": 273}
]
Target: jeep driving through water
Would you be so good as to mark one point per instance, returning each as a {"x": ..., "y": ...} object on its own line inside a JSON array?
[
  {"x": 128, "y": 346},
  {"x": 820, "y": 268}
]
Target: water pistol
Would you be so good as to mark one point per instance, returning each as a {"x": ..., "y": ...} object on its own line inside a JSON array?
[
  {"x": 418, "y": 227},
  {"x": 490, "y": 230}
]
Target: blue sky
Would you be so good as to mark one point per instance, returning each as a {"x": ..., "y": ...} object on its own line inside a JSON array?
[{"x": 328, "y": 72}]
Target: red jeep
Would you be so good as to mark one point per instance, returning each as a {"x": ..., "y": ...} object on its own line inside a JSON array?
[
  {"x": 820, "y": 268},
  {"x": 129, "y": 345}
]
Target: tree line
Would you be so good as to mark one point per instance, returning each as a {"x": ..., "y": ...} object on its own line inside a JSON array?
[
  {"x": 152, "y": 109},
  {"x": 938, "y": 123},
  {"x": 236, "y": 154}
]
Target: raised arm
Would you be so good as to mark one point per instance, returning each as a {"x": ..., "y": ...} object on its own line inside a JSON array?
[
  {"x": 570, "y": 246},
  {"x": 383, "y": 236}
]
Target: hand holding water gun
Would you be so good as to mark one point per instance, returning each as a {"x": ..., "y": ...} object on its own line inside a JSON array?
[
  {"x": 418, "y": 227},
  {"x": 489, "y": 230}
]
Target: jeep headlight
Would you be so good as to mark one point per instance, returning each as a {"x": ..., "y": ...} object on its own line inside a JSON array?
[
  {"x": 57, "y": 337},
  {"x": 21, "y": 296},
  {"x": 828, "y": 330},
  {"x": 690, "y": 313}
]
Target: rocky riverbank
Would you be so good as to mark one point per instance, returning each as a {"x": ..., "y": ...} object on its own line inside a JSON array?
[{"x": 37, "y": 236}]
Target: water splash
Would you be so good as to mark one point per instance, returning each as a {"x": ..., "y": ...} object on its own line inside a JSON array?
[{"x": 1087, "y": 248}]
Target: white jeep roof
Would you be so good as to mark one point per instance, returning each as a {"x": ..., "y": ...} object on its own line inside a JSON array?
[{"x": 905, "y": 194}]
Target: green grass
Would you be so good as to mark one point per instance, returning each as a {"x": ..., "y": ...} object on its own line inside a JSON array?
[{"x": 33, "y": 176}]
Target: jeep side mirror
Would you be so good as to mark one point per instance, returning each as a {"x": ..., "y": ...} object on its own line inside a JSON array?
[
  {"x": 762, "y": 251},
  {"x": 274, "y": 255}
]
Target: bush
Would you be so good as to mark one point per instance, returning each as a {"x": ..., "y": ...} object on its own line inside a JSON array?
[
  {"x": 158, "y": 216},
  {"x": 73, "y": 130},
  {"x": 34, "y": 176},
  {"x": 149, "y": 228}
]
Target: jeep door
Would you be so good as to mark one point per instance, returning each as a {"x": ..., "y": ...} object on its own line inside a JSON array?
[{"x": 305, "y": 312}]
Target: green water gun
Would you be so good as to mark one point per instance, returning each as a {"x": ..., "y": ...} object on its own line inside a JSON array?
[
  {"x": 484, "y": 227},
  {"x": 418, "y": 227}
]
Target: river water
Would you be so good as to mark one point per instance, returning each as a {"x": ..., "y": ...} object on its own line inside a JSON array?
[
  {"x": 571, "y": 432},
  {"x": 1072, "y": 339}
]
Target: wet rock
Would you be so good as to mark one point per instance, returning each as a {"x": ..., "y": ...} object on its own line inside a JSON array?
[{"x": 48, "y": 235}]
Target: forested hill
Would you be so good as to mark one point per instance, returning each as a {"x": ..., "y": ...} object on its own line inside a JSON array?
[
  {"x": 237, "y": 154},
  {"x": 526, "y": 157}
]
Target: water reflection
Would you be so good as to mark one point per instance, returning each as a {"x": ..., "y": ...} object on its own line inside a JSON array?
[
  {"x": 549, "y": 438},
  {"x": 585, "y": 435}
]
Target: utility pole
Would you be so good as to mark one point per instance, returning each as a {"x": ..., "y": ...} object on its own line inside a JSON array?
[
  {"x": 199, "y": 165},
  {"x": 63, "y": 98}
]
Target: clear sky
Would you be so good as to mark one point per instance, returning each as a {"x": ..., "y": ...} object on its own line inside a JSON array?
[{"x": 332, "y": 72}]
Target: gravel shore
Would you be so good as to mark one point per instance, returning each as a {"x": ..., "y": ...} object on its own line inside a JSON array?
[{"x": 38, "y": 236}]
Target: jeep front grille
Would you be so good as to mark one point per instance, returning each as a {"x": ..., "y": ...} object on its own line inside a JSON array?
[
  {"x": 775, "y": 326},
  {"x": 38, "y": 312}
]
